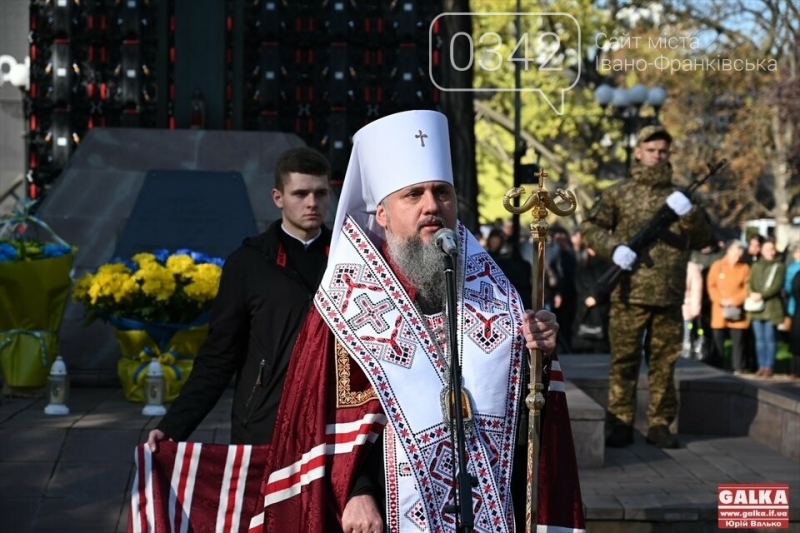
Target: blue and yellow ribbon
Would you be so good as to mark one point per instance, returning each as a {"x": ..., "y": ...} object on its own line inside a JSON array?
[
  {"x": 167, "y": 361},
  {"x": 38, "y": 334},
  {"x": 176, "y": 357}
]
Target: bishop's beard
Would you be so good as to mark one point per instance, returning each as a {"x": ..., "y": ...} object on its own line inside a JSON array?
[{"x": 422, "y": 265}]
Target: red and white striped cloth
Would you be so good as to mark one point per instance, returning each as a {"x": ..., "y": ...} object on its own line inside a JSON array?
[
  {"x": 313, "y": 458},
  {"x": 193, "y": 487},
  {"x": 340, "y": 438}
]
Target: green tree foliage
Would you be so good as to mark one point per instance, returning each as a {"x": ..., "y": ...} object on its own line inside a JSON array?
[
  {"x": 731, "y": 95},
  {"x": 567, "y": 145},
  {"x": 714, "y": 109}
]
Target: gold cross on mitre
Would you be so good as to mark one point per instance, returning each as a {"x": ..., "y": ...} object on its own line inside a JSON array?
[{"x": 421, "y": 136}]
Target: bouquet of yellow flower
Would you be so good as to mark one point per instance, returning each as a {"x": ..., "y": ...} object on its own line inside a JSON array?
[
  {"x": 35, "y": 266},
  {"x": 158, "y": 303},
  {"x": 156, "y": 287}
]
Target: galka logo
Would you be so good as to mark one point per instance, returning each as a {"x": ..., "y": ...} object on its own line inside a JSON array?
[{"x": 758, "y": 506}]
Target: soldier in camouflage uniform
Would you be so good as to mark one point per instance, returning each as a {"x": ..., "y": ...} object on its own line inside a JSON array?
[{"x": 650, "y": 293}]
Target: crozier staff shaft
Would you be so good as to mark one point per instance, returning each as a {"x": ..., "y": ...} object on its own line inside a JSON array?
[{"x": 540, "y": 203}]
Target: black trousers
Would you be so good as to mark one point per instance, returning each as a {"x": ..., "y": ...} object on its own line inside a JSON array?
[{"x": 737, "y": 340}]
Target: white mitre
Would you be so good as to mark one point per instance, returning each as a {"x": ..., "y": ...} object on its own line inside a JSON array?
[{"x": 390, "y": 154}]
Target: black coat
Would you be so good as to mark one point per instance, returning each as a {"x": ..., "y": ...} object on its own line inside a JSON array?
[
  {"x": 518, "y": 272},
  {"x": 588, "y": 270},
  {"x": 263, "y": 299}
]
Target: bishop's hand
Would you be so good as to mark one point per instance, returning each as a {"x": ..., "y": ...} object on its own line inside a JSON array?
[{"x": 540, "y": 329}]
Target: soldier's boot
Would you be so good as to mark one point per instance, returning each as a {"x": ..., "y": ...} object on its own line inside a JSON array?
[
  {"x": 621, "y": 435},
  {"x": 661, "y": 437}
]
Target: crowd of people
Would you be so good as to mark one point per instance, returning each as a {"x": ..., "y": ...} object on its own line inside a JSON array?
[
  {"x": 717, "y": 328},
  {"x": 742, "y": 297},
  {"x": 723, "y": 325}
]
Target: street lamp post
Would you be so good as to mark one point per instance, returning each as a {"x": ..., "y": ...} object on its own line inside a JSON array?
[{"x": 628, "y": 104}]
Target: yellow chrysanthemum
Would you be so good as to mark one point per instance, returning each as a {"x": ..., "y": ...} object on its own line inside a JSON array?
[
  {"x": 205, "y": 282},
  {"x": 156, "y": 282},
  {"x": 81, "y": 290},
  {"x": 200, "y": 291},
  {"x": 144, "y": 258},
  {"x": 127, "y": 289},
  {"x": 210, "y": 272},
  {"x": 106, "y": 284},
  {"x": 147, "y": 267},
  {"x": 112, "y": 268},
  {"x": 180, "y": 264}
]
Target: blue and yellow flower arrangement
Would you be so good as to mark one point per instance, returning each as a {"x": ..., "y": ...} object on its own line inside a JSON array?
[
  {"x": 35, "y": 265},
  {"x": 158, "y": 303}
]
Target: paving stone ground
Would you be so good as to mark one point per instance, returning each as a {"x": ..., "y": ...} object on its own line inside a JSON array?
[{"x": 679, "y": 487}]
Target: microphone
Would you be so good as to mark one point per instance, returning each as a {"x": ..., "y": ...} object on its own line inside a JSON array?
[{"x": 446, "y": 241}]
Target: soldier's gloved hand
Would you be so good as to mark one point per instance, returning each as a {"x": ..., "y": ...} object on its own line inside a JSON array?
[
  {"x": 679, "y": 203},
  {"x": 624, "y": 257}
]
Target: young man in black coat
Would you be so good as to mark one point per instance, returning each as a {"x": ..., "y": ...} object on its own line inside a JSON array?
[{"x": 265, "y": 291}]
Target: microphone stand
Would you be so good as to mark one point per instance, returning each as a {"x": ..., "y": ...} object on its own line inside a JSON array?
[{"x": 465, "y": 518}]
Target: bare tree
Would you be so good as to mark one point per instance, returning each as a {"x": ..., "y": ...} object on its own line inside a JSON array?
[{"x": 769, "y": 29}]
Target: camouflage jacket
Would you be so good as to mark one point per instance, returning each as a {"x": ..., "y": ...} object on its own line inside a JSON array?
[{"x": 659, "y": 276}]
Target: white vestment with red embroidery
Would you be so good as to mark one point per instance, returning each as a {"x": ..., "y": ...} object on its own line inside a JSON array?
[{"x": 373, "y": 318}]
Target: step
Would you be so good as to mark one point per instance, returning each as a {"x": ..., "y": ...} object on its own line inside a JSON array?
[
  {"x": 587, "y": 418},
  {"x": 712, "y": 402},
  {"x": 646, "y": 489}
]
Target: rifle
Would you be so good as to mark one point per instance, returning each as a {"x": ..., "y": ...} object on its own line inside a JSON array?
[{"x": 649, "y": 232}]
